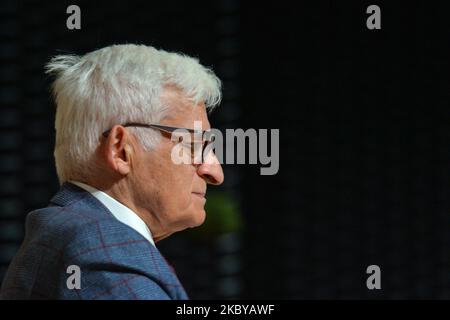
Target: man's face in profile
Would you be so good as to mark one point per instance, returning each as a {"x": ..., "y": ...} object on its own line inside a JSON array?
[{"x": 175, "y": 193}]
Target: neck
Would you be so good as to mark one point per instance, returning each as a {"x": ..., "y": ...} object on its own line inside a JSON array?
[{"x": 122, "y": 192}]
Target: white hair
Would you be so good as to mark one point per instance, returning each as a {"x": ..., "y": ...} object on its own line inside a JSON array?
[{"x": 115, "y": 85}]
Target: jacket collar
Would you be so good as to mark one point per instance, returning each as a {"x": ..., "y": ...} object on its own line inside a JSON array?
[{"x": 67, "y": 194}]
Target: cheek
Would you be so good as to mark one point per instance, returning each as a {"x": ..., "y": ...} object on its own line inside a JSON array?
[
  {"x": 171, "y": 184},
  {"x": 178, "y": 186}
]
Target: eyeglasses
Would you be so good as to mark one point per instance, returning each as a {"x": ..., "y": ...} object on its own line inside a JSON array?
[{"x": 195, "y": 146}]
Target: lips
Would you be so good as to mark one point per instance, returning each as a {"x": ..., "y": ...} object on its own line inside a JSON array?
[{"x": 200, "y": 194}]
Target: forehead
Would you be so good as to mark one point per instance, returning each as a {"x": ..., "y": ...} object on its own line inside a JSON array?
[{"x": 182, "y": 112}]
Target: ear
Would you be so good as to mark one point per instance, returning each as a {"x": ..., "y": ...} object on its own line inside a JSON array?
[{"x": 118, "y": 150}]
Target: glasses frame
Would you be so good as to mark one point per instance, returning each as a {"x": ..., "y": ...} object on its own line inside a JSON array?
[{"x": 207, "y": 135}]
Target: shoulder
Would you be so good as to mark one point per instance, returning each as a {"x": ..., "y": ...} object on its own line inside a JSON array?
[
  {"x": 76, "y": 227},
  {"x": 115, "y": 260},
  {"x": 55, "y": 224}
]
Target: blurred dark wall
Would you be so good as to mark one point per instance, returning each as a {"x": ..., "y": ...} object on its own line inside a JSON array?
[
  {"x": 364, "y": 178},
  {"x": 363, "y": 118}
]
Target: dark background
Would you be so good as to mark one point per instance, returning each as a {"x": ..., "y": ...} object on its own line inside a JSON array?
[{"x": 364, "y": 137}]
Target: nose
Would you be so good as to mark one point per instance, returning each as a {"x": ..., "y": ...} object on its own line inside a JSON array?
[{"x": 211, "y": 170}]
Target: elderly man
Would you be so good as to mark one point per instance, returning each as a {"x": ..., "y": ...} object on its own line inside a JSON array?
[{"x": 118, "y": 111}]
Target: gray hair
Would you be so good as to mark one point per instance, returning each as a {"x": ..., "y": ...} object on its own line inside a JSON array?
[{"x": 115, "y": 85}]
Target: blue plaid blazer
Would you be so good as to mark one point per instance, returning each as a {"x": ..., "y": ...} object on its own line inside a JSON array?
[{"x": 114, "y": 260}]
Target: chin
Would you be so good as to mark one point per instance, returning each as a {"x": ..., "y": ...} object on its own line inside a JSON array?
[{"x": 198, "y": 218}]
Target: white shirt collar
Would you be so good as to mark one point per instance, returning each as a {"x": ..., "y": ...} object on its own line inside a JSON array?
[{"x": 119, "y": 211}]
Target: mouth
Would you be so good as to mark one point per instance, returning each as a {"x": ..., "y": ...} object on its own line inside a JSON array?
[{"x": 200, "y": 194}]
